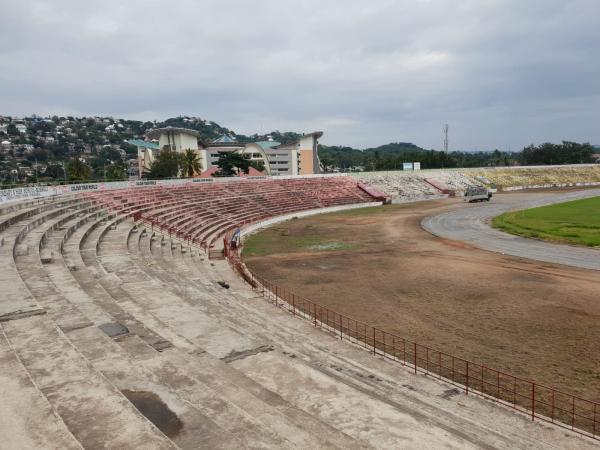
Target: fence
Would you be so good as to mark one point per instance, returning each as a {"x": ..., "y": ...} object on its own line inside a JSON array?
[{"x": 536, "y": 400}]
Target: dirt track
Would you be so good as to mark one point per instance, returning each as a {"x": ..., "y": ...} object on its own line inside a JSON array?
[{"x": 536, "y": 320}]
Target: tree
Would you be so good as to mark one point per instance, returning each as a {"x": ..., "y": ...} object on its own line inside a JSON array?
[
  {"x": 12, "y": 130},
  {"x": 115, "y": 172},
  {"x": 166, "y": 164},
  {"x": 190, "y": 163},
  {"x": 54, "y": 170},
  {"x": 565, "y": 153},
  {"x": 232, "y": 163},
  {"x": 77, "y": 170}
]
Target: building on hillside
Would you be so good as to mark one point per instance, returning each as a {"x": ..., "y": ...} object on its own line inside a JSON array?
[
  {"x": 178, "y": 140},
  {"x": 146, "y": 154},
  {"x": 294, "y": 158},
  {"x": 212, "y": 150}
]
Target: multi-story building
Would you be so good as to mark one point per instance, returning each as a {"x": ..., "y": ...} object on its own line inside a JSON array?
[{"x": 295, "y": 158}]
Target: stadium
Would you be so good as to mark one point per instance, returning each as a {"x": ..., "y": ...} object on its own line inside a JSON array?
[{"x": 371, "y": 310}]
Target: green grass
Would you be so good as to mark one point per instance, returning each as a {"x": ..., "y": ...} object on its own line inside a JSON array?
[
  {"x": 309, "y": 235},
  {"x": 280, "y": 240},
  {"x": 576, "y": 222}
]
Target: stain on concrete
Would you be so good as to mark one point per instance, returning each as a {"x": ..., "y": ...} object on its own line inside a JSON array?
[
  {"x": 449, "y": 393},
  {"x": 156, "y": 411},
  {"x": 114, "y": 329},
  {"x": 234, "y": 356}
]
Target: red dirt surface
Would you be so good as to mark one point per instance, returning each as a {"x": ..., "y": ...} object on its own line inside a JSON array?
[{"x": 535, "y": 320}]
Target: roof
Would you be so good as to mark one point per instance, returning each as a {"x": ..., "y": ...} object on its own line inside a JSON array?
[
  {"x": 157, "y": 132},
  {"x": 267, "y": 144},
  {"x": 142, "y": 143},
  {"x": 225, "y": 139},
  {"x": 316, "y": 134}
]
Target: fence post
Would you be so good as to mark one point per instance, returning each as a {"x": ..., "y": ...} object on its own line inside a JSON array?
[
  {"x": 467, "y": 380},
  {"x": 373, "y": 340},
  {"x": 315, "y": 313},
  {"x": 532, "y": 401},
  {"x": 294, "y": 303},
  {"x": 341, "y": 328},
  {"x": 594, "y": 419},
  {"x": 415, "y": 357},
  {"x": 453, "y": 368}
]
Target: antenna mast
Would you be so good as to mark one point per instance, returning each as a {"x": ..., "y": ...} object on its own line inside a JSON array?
[{"x": 446, "y": 138}]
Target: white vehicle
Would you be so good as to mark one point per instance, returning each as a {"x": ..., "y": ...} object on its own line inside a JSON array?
[{"x": 477, "y": 194}]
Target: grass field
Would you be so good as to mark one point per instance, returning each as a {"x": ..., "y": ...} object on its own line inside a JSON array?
[
  {"x": 576, "y": 222},
  {"x": 278, "y": 239}
]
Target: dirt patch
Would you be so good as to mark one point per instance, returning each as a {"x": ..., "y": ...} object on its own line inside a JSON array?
[
  {"x": 536, "y": 320},
  {"x": 156, "y": 411}
]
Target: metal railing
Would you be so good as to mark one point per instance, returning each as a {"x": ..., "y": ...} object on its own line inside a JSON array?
[{"x": 533, "y": 399}]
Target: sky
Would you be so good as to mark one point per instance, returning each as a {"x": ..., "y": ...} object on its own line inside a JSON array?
[{"x": 501, "y": 73}]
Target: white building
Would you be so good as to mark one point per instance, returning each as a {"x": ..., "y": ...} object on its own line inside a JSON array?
[{"x": 295, "y": 158}]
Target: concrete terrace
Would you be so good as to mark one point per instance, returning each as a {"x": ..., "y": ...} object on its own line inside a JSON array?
[{"x": 114, "y": 336}]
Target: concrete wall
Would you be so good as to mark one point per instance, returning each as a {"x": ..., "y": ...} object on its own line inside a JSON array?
[
  {"x": 253, "y": 150},
  {"x": 309, "y": 159},
  {"x": 178, "y": 141},
  {"x": 306, "y": 165}
]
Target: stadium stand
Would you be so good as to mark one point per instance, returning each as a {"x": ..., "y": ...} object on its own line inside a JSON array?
[
  {"x": 203, "y": 214},
  {"x": 113, "y": 335},
  {"x": 543, "y": 176},
  {"x": 428, "y": 184},
  {"x": 412, "y": 186}
]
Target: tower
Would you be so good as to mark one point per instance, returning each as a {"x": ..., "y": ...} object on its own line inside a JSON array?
[{"x": 446, "y": 138}]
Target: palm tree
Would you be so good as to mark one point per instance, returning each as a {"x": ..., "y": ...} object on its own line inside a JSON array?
[{"x": 191, "y": 163}]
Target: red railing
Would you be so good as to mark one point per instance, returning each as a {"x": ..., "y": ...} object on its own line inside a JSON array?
[{"x": 536, "y": 400}]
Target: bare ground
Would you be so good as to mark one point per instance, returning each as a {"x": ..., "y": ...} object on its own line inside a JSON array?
[{"x": 535, "y": 320}]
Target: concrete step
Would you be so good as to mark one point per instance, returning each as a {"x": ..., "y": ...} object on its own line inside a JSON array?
[
  {"x": 216, "y": 372},
  {"x": 95, "y": 412},
  {"x": 200, "y": 431},
  {"x": 208, "y": 420},
  {"x": 87, "y": 279},
  {"x": 27, "y": 420}
]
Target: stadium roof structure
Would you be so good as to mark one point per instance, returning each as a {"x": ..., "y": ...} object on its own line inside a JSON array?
[
  {"x": 316, "y": 134},
  {"x": 225, "y": 139},
  {"x": 155, "y": 133},
  {"x": 267, "y": 144},
  {"x": 142, "y": 143}
]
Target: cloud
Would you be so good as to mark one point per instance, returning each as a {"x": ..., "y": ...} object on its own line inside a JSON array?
[{"x": 500, "y": 72}]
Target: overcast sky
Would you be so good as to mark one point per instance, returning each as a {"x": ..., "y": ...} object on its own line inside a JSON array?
[{"x": 501, "y": 73}]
